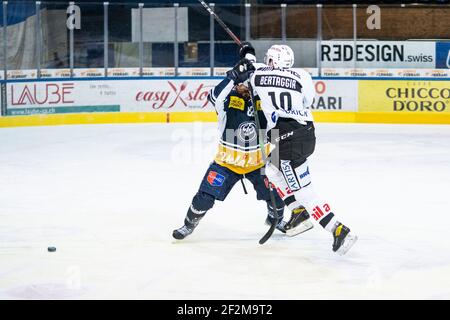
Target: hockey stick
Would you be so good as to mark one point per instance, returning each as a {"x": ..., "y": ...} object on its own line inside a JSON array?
[
  {"x": 222, "y": 24},
  {"x": 258, "y": 126},
  {"x": 273, "y": 225}
]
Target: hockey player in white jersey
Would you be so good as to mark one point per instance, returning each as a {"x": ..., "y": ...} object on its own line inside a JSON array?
[{"x": 285, "y": 97}]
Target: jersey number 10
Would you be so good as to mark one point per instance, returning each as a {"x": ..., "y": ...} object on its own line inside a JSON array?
[{"x": 285, "y": 100}]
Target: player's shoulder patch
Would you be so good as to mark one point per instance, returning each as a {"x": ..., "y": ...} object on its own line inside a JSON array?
[
  {"x": 236, "y": 103},
  {"x": 258, "y": 105}
]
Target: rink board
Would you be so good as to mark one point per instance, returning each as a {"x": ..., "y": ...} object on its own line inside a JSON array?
[{"x": 184, "y": 99}]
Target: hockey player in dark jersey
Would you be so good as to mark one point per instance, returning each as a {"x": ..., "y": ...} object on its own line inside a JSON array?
[{"x": 238, "y": 156}]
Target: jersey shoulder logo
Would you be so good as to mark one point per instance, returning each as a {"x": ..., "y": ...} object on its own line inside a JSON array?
[{"x": 237, "y": 103}]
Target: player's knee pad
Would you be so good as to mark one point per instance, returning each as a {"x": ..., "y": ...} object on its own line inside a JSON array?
[
  {"x": 303, "y": 175},
  {"x": 202, "y": 202},
  {"x": 296, "y": 177},
  {"x": 284, "y": 192}
]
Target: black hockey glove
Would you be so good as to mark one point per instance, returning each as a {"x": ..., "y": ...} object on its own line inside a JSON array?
[
  {"x": 241, "y": 71},
  {"x": 246, "y": 47}
]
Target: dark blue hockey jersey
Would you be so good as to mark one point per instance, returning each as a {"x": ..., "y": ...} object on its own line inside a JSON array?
[{"x": 239, "y": 148}]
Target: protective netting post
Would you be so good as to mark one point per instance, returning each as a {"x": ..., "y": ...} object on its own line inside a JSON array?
[
  {"x": 319, "y": 39},
  {"x": 211, "y": 41},
  {"x": 105, "y": 37},
  {"x": 247, "y": 21},
  {"x": 141, "y": 40},
  {"x": 71, "y": 47},
  {"x": 38, "y": 36},
  {"x": 354, "y": 34},
  {"x": 5, "y": 39},
  {"x": 175, "y": 42},
  {"x": 283, "y": 22},
  {"x": 3, "y": 109}
]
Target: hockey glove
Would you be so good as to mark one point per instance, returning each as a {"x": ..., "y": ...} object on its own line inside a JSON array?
[
  {"x": 245, "y": 48},
  {"x": 241, "y": 71}
]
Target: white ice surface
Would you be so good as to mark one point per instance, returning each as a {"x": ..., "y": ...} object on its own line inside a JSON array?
[{"x": 109, "y": 196}]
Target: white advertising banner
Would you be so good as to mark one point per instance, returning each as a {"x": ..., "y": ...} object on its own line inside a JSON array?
[
  {"x": 167, "y": 95},
  {"x": 336, "y": 95},
  {"x": 48, "y": 97},
  {"x": 108, "y": 96},
  {"x": 378, "y": 54}
]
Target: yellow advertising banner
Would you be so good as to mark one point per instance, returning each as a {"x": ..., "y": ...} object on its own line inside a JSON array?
[{"x": 404, "y": 96}]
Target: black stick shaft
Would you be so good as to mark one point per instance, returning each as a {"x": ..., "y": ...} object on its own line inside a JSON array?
[
  {"x": 222, "y": 24},
  {"x": 264, "y": 156}
]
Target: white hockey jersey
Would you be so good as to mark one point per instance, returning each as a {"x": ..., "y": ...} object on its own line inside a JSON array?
[{"x": 284, "y": 93}]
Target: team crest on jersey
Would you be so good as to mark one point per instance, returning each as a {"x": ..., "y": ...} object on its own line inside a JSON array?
[
  {"x": 246, "y": 131},
  {"x": 237, "y": 103},
  {"x": 215, "y": 179}
]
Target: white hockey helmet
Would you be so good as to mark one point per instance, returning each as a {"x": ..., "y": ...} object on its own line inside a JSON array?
[{"x": 281, "y": 56}]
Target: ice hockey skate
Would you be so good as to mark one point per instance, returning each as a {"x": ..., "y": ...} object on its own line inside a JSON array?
[
  {"x": 281, "y": 225},
  {"x": 343, "y": 239},
  {"x": 298, "y": 223},
  {"x": 189, "y": 226},
  {"x": 182, "y": 232}
]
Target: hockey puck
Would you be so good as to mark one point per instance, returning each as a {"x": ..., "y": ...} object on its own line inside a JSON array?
[{"x": 51, "y": 249}]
